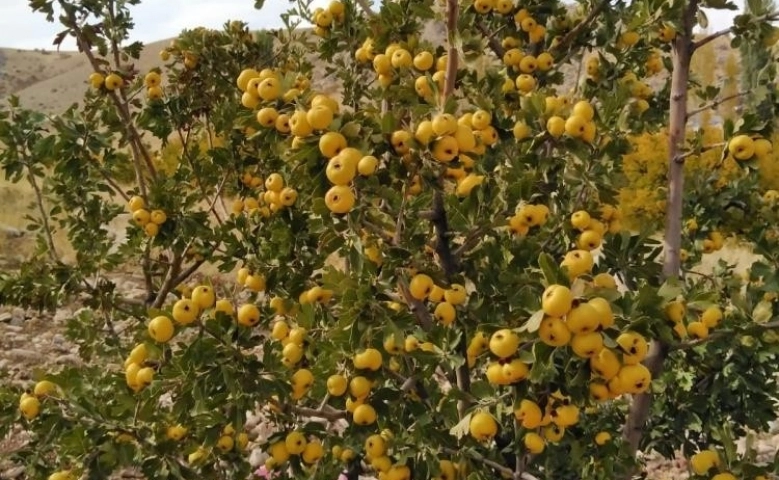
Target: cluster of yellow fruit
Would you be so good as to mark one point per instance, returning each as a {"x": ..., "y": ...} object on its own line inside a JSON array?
[
  {"x": 30, "y": 402},
  {"x": 640, "y": 91},
  {"x": 704, "y": 461},
  {"x": 266, "y": 86},
  {"x": 422, "y": 287},
  {"x": 136, "y": 374},
  {"x": 378, "y": 455},
  {"x": 150, "y": 221},
  {"x": 309, "y": 449},
  {"x": 528, "y": 216},
  {"x": 111, "y": 82},
  {"x": 253, "y": 281},
  {"x": 576, "y": 323},
  {"x": 579, "y": 124},
  {"x": 153, "y": 83},
  {"x": 710, "y": 318},
  {"x": 227, "y": 441},
  {"x": 275, "y": 197},
  {"x": 187, "y": 310},
  {"x": 396, "y": 58},
  {"x": 292, "y": 342},
  {"x": 325, "y": 17},
  {"x": 744, "y": 147},
  {"x": 592, "y": 230},
  {"x": 713, "y": 243},
  {"x": 343, "y": 165}
]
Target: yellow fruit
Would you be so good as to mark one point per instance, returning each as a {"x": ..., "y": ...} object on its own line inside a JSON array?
[
  {"x": 521, "y": 131},
  {"x": 331, "y": 144},
  {"x": 423, "y": 61},
  {"x": 161, "y": 329},
  {"x": 711, "y": 317},
  {"x": 697, "y": 330},
  {"x": 369, "y": 359},
  {"x": 113, "y": 81},
  {"x": 483, "y": 426},
  {"x": 364, "y": 415},
  {"x": 553, "y": 433},
  {"x": 176, "y": 432},
  {"x": 367, "y": 165},
  {"x": 468, "y": 183},
  {"x": 45, "y": 388},
  {"x": 420, "y": 286},
  {"x": 605, "y": 314},
  {"x": 602, "y": 438},
  {"x": 534, "y": 443},
  {"x": 445, "y": 313},
  {"x": 557, "y": 300},
  {"x": 742, "y": 147},
  {"x": 526, "y": 83},
  {"x": 340, "y": 199},
  {"x": 604, "y": 280},
  {"x": 444, "y": 124},
  {"x": 337, "y": 385},
  {"x": 515, "y": 370},
  {"x": 529, "y": 414},
  {"x": 589, "y": 240},
  {"x": 30, "y": 407},
  {"x": 401, "y": 142},
  {"x": 504, "y": 343},
  {"x": 455, "y": 294},
  {"x": 203, "y": 297},
  {"x": 295, "y": 443},
  {"x": 587, "y": 345},
  {"x": 634, "y": 347},
  {"x": 301, "y": 382},
  {"x": 279, "y": 453},
  {"x": 582, "y": 319},
  {"x": 578, "y": 262},
  {"x": 375, "y": 446},
  {"x": 580, "y": 220},
  {"x": 445, "y": 149},
  {"x": 554, "y": 332},
  {"x": 313, "y": 452},
  {"x": 292, "y": 353},
  {"x": 635, "y": 379},
  {"x": 605, "y": 364},
  {"x": 360, "y": 387},
  {"x": 555, "y": 126},
  {"x": 704, "y": 461},
  {"x": 248, "y": 315}
]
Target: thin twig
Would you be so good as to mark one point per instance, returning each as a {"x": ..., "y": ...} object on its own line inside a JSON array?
[
  {"x": 717, "y": 103},
  {"x": 417, "y": 307},
  {"x": 710, "y": 38},
  {"x": 492, "y": 41}
]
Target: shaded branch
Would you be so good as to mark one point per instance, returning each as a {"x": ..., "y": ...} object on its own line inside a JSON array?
[
  {"x": 492, "y": 41},
  {"x": 417, "y": 307},
  {"x": 575, "y": 31}
]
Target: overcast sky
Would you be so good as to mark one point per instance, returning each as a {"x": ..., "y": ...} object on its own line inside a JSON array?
[{"x": 160, "y": 19}]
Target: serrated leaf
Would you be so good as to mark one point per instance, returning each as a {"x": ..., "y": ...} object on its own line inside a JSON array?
[
  {"x": 462, "y": 428},
  {"x": 763, "y": 312}
]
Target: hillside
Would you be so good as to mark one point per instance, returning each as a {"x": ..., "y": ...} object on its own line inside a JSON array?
[{"x": 51, "y": 81}]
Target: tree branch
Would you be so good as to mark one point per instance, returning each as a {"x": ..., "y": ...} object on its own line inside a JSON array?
[
  {"x": 417, "y": 307},
  {"x": 710, "y": 38},
  {"x": 492, "y": 42},
  {"x": 638, "y": 414},
  {"x": 717, "y": 103},
  {"x": 502, "y": 469},
  {"x": 44, "y": 217},
  {"x": 575, "y": 31}
]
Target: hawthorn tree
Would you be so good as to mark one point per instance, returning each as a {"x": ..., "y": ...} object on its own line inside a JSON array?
[{"x": 432, "y": 278}]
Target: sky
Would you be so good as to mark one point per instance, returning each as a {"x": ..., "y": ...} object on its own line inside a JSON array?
[{"x": 160, "y": 19}]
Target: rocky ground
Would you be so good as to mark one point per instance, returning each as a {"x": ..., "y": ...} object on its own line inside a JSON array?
[{"x": 29, "y": 340}]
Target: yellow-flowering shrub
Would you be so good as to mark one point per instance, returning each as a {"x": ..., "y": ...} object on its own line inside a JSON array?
[{"x": 645, "y": 168}]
